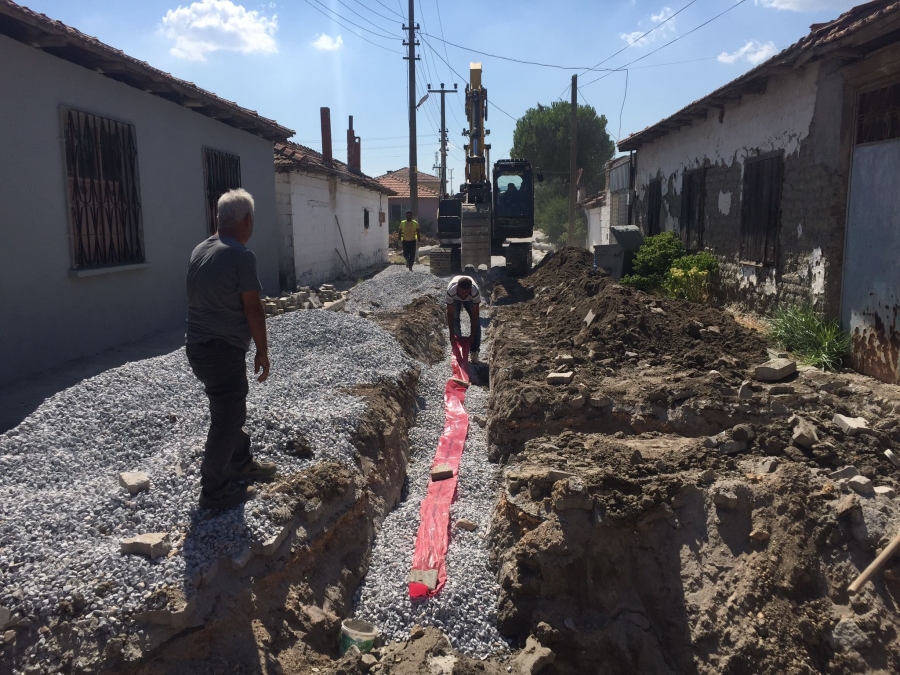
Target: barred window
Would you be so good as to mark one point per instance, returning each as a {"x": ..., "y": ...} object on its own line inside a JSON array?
[
  {"x": 761, "y": 209},
  {"x": 654, "y": 206},
  {"x": 693, "y": 196},
  {"x": 222, "y": 172},
  {"x": 878, "y": 115},
  {"x": 104, "y": 191}
]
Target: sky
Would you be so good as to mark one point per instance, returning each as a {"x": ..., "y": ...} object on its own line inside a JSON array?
[{"x": 286, "y": 59}]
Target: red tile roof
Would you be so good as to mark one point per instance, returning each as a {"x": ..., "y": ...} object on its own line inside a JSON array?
[
  {"x": 294, "y": 157},
  {"x": 65, "y": 42},
  {"x": 401, "y": 187},
  {"x": 403, "y": 174}
]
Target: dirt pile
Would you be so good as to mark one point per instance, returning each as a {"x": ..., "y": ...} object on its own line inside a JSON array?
[{"x": 418, "y": 327}]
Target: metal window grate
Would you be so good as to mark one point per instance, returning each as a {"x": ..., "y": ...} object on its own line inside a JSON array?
[
  {"x": 104, "y": 191},
  {"x": 878, "y": 115},
  {"x": 222, "y": 172}
]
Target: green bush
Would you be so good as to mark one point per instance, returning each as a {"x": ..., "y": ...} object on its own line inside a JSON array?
[
  {"x": 690, "y": 277},
  {"x": 653, "y": 261},
  {"x": 799, "y": 329}
]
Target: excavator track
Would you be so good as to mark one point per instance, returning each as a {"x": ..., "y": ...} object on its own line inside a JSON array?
[{"x": 476, "y": 235}]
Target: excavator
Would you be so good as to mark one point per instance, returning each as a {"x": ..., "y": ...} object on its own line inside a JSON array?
[{"x": 489, "y": 212}]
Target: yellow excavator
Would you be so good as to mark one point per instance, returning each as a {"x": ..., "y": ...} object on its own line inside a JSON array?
[{"x": 490, "y": 212}]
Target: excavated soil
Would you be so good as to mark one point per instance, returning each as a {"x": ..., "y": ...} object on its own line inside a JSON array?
[
  {"x": 628, "y": 539},
  {"x": 418, "y": 327}
]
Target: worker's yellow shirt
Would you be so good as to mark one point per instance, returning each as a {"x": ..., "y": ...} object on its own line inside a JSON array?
[{"x": 409, "y": 230}]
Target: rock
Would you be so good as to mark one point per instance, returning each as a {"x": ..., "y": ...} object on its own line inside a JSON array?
[
  {"x": 479, "y": 420},
  {"x": 869, "y": 526},
  {"x": 851, "y": 425},
  {"x": 441, "y": 472},
  {"x": 589, "y": 318},
  {"x": 846, "y": 505},
  {"x": 577, "y": 402},
  {"x": 884, "y": 490},
  {"x": 134, "y": 481},
  {"x": 533, "y": 658},
  {"x": 805, "y": 434},
  {"x": 743, "y": 432},
  {"x": 631, "y": 355},
  {"x": 427, "y": 578},
  {"x": 416, "y": 632},
  {"x": 713, "y": 441},
  {"x": 565, "y": 359},
  {"x": 572, "y": 493},
  {"x": 560, "y": 378},
  {"x": 780, "y": 389},
  {"x": 693, "y": 328},
  {"x": 774, "y": 370},
  {"x": 5, "y": 616},
  {"x": 745, "y": 392},
  {"x": 708, "y": 476},
  {"x": 848, "y": 635},
  {"x": 733, "y": 447},
  {"x": 271, "y": 545},
  {"x": 846, "y": 472},
  {"x": 759, "y": 535},
  {"x": 768, "y": 465},
  {"x": 366, "y": 662},
  {"x": 636, "y": 457},
  {"x": 683, "y": 394},
  {"x": 727, "y": 500},
  {"x": 240, "y": 560},
  {"x": 153, "y": 545},
  {"x": 364, "y": 314},
  {"x": 862, "y": 486},
  {"x": 9, "y": 637},
  {"x": 465, "y": 524},
  {"x": 600, "y": 401}
]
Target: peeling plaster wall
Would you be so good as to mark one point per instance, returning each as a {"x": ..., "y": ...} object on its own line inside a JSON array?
[{"x": 800, "y": 114}]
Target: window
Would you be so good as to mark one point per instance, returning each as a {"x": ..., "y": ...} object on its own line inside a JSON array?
[
  {"x": 222, "y": 172},
  {"x": 654, "y": 206},
  {"x": 693, "y": 195},
  {"x": 761, "y": 209},
  {"x": 396, "y": 214},
  {"x": 366, "y": 218},
  {"x": 104, "y": 191},
  {"x": 878, "y": 115}
]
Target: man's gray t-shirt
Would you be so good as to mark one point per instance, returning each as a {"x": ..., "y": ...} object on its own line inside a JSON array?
[{"x": 221, "y": 268}]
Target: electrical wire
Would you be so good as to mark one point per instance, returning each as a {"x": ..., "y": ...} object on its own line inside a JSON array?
[
  {"x": 622, "y": 110},
  {"x": 393, "y": 51},
  {"x": 388, "y": 18},
  {"x": 343, "y": 18},
  {"x": 364, "y": 18}
]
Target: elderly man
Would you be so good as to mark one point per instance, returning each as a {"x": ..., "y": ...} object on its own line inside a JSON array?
[
  {"x": 463, "y": 294},
  {"x": 224, "y": 313}
]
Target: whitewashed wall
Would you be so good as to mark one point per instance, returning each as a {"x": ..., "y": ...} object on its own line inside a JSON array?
[
  {"x": 598, "y": 226},
  {"x": 306, "y": 207}
]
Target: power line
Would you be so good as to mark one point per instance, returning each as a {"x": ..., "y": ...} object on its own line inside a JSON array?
[
  {"x": 392, "y": 38},
  {"x": 622, "y": 110},
  {"x": 393, "y": 51},
  {"x": 365, "y": 18},
  {"x": 389, "y": 18}
]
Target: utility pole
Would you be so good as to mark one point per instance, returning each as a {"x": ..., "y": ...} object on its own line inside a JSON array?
[
  {"x": 443, "y": 91},
  {"x": 413, "y": 154},
  {"x": 573, "y": 151}
]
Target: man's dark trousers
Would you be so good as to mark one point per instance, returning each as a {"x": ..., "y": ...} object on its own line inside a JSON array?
[
  {"x": 475, "y": 344},
  {"x": 409, "y": 252},
  {"x": 222, "y": 369}
]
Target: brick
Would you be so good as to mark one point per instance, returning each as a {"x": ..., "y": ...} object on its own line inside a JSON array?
[
  {"x": 153, "y": 545},
  {"x": 774, "y": 370},
  {"x": 427, "y": 578},
  {"x": 851, "y": 425},
  {"x": 560, "y": 378},
  {"x": 441, "y": 472},
  {"x": 134, "y": 481}
]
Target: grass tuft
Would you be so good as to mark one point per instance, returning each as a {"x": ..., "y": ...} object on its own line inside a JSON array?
[{"x": 817, "y": 342}]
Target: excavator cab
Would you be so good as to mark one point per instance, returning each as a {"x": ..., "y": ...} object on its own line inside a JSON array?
[{"x": 513, "y": 193}]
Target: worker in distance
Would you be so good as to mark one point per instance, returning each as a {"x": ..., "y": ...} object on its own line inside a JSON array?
[
  {"x": 409, "y": 234},
  {"x": 224, "y": 314},
  {"x": 463, "y": 294}
]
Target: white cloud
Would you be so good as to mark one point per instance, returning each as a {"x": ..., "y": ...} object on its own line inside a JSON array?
[
  {"x": 753, "y": 52},
  {"x": 807, "y": 5},
  {"x": 634, "y": 39},
  {"x": 213, "y": 25},
  {"x": 328, "y": 43}
]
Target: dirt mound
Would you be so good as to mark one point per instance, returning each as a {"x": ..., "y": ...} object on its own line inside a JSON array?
[{"x": 418, "y": 327}]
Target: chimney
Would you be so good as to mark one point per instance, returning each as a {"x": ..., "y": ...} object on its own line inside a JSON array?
[
  {"x": 353, "y": 149},
  {"x": 326, "y": 134}
]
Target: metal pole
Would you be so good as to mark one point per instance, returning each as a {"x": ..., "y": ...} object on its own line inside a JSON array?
[
  {"x": 443, "y": 167},
  {"x": 413, "y": 154},
  {"x": 573, "y": 150}
]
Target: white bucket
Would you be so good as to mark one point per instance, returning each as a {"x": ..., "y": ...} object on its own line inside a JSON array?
[{"x": 360, "y": 633}]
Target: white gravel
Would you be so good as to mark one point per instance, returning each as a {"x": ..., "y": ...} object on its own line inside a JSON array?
[
  {"x": 466, "y": 607},
  {"x": 395, "y": 287},
  {"x": 63, "y": 514}
]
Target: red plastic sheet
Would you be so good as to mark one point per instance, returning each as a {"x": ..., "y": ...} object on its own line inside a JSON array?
[{"x": 434, "y": 513}]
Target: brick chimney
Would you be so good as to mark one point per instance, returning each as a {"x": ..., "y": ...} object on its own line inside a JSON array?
[
  {"x": 354, "y": 159},
  {"x": 326, "y": 134}
]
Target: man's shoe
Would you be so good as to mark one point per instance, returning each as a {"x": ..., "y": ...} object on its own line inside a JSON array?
[
  {"x": 255, "y": 470},
  {"x": 235, "y": 495},
  {"x": 473, "y": 357}
]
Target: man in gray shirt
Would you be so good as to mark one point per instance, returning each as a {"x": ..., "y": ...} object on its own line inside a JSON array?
[{"x": 224, "y": 314}]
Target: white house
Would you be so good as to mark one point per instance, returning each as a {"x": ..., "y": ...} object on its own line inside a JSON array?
[
  {"x": 331, "y": 215},
  {"x": 109, "y": 173}
]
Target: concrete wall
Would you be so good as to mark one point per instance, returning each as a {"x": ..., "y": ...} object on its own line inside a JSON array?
[
  {"x": 800, "y": 113},
  {"x": 428, "y": 211},
  {"x": 307, "y": 205},
  {"x": 598, "y": 225},
  {"x": 49, "y": 315}
]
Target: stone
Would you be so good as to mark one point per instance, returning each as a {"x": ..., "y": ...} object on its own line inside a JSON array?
[
  {"x": 774, "y": 370},
  {"x": 441, "y": 472},
  {"x": 883, "y": 490},
  {"x": 846, "y": 635},
  {"x": 851, "y": 425},
  {"x": 9, "y": 637},
  {"x": 713, "y": 441},
  {"x": 781, "y": 389},
  {"x": 727, "y": 500},
  {"x": 862, "y": 486},
  {"x": 5, "y": 616},
  {"x": 708, "y": 476},
  {"x": 846, "y": 505},
  {"x": 134, "y": 481},
  {"x": 364, "y": 314},
  {"x": 768, "y": 465},
  {"x": 366, "y": 662},
  {"x": 589, "y": 318},
  {"x": 427, "y": 578},
  {"x": 743, "y": 432},
  {"x": 733, "y": 447},
  {"x": 631, "y": 355},
  {"x": 533, "y": 659},
  {"x": 805, "y": 434},
  {"x": 153, "y": 545},
  {"x": 479, "y": 420},
  {"x": 846, "y": 472},
  {"x": 416, "y": 632},
  {"x": 744, "y": 391},
  {"x": 577, "y": 402},
  {"x": 239, "y": 561},
  {"x": 683, "y": 394},
  {"x": 600, "y": 401},
  {"x": 273, "y": 544},
  {"x": 759, "y": 535},
  {"x": 465, "y": 524},
  {"x": 560, "y": 378},
  {"x": 565, "y": 359}
]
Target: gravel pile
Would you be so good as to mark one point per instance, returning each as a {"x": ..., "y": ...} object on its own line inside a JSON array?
[
  {"x": 63, "y": 513},
  {"x": 465, "y": 610},
  {"x": 394, "y": 288}
]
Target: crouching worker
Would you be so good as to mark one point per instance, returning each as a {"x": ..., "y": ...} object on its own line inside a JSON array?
[
  {"x": 224, "y": 313},
  {"x": 463, "y": 293}
]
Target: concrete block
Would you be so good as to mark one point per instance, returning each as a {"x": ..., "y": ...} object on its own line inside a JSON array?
[
  {"x": 862, "y": 486},
  {"x": 427, "y": 578},
  {"x": 733, "y": 447},
  {"x": 774, "y": 370},
  {"x": 851, "y": 425},
  {"x": 565, "y": 359},
  {"x": 883, "y": 490},
  {"x": 846, "y": 472},
  {"x": 441, "y": 472},
  {"x": 805, "y": 434},
  {"x": 153, "y": 545},
  {"x": 134, "y": 481},
  {"x": 560, "y": 378}
]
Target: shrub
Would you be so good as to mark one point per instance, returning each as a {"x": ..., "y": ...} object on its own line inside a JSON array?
[
  {"x": 653, "y": 261},
  {"x": 689, "y": 277},
  {"x": 815, "y": 341}
]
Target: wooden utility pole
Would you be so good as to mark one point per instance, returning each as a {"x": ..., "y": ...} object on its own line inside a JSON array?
[
  {"x": 573, "y": 152},
  {"x": 413, "y": 153},
  {"x": 442, "y": 92}
]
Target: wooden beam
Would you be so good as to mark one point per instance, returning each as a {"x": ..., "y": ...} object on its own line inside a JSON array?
[
  {"x": 192, "y": 103},
  {"x": 46, "y": 41}
]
